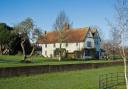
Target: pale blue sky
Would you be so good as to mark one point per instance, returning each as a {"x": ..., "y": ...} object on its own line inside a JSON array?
[{"x": 83, "y": 13}]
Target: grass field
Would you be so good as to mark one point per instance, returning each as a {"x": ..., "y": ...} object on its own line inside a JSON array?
[
  {"x": 83, "y": 79},
  {"x": 14, "y": 61}
]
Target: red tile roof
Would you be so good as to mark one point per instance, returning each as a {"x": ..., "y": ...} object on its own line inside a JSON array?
[{"x": 72, "y": 36}]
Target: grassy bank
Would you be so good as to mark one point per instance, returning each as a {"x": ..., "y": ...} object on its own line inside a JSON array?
[
  {"x": 83, "y": 79},
  {"x": 14, "y": 61}
]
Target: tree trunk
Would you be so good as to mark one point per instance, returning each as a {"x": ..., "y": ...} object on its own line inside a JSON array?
[
  {"x": 113, "y": 53},
  {"x": 60, "y": 52},
  {"x": 30, "y": 55},
  {"x": 125, "y": 72},
  {"x": 122, "y": 53},
  {"x": 125, "y": 62},
  {"x": 1, "y": 49},
  {"x": 23, "y": 49},
  {"x": 125, "y": 68}
]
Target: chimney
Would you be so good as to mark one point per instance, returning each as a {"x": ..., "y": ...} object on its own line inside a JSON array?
[
  {"x": 45, "y": 35},
  {"x": 45, "y": 32},
  {"x": 66, "y": 26},
  {"x": 89, "y": 29}
]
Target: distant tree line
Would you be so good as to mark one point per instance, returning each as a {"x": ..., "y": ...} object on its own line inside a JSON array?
[
  {"x": 21, "y": 38},
  {"x": 10, "y": 41}
]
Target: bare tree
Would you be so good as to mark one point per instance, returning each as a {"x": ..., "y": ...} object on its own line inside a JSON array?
[
  {"x": 120, "y": 28},
  {"x": 27, "y": 30},
  {"x": 122, "y": 11},
  {"x": 107, "y": 46},
  {"x": 115, "y": 38},
  {"x": 61, "y": 26}
]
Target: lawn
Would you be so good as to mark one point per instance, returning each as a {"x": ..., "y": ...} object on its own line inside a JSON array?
[
  {"x": 14, "y": 61},
  {"x": 82, "y": 79}
]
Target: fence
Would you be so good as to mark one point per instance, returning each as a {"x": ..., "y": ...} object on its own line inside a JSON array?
[{"x": 112, "y": 81}]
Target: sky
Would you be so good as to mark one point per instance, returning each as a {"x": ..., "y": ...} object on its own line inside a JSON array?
[{"x": 82, "y": 13}]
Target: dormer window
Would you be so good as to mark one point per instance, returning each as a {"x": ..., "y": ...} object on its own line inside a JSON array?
[
  {"x": 89, "y": 35},
  {"x": 89, "y": 44}
]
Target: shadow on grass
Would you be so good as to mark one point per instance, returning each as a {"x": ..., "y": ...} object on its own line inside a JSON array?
[{"x": 7, "y": 60}]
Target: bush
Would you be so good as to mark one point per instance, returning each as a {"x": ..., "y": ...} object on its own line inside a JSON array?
[{"x": 62, "y": 51}]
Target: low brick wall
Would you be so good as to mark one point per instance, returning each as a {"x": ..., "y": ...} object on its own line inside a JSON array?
[{"x": 40, "y": 69}]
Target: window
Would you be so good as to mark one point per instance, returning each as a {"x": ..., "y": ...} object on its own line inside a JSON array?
[
  {"x": 66, "y": 45},
  {"x": 95, "y": 42},
  {"x": 54, "y": 45},
  {"x": 76, "y": 44},
  {"x": 45, "y": 45},
  {"x": 87, "y": 53},
  {"x": 89, "y": 34},
  {"x": 45, "y": 52},
  {"x": 89, "y": 44}
]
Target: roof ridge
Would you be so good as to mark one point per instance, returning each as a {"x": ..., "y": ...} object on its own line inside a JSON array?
[{"x": 74, "y": 35}]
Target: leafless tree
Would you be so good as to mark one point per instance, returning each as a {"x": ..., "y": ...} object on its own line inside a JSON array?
[
  {"x": 114, "y": 38},
  {"x": 27, "y": 30},
  {"x": 61, "y": 26},
  {"x": 120, "y": 28},
  {"x": 107, "y": 46}
]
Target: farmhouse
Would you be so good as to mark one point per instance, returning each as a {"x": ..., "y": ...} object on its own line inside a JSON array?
[{"x": 79, "y": 43}]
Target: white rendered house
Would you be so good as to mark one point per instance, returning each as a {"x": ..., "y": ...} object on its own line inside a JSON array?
[{"x": 81, "y": 43}]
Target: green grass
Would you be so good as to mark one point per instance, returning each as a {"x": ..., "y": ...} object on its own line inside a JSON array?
[
  {"x": 14, "y": 61},
  {"x": 82, "y": 79},
  {"x": 121, "y": 86}
]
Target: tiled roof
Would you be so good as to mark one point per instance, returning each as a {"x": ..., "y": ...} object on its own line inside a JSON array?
[{"x": 72, "y": 36}]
